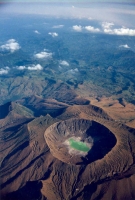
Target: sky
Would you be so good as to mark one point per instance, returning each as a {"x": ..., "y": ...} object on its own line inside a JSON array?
[
  {"x": 66, "y": 1},
  {"x": 120, "y": 14},
  {"x": 70, "y": 1}
]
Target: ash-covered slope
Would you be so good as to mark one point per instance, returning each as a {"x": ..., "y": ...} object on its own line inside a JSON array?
[{"x": 36, "y": 163}]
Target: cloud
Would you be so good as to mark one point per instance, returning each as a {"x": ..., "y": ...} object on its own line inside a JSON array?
[
  {"x": 89, "y": 18},
  {"x": 35, "y": 67},
  {"x": 4, "y": 70},
  {"x": 60, "y": 67},
  {"x": 124, "y": 31},
  {"x": 120, "y": 31},
  {"x": 107, "y": 28},
  {"x": 20, "y": 67},
  {"x": 73, "y": 70},
  {"x": 32, "y": 67},
  {"x": 92, "y": 29},
  {"x": 120, "y": 14},
  {"x": 77, "y": 28},
  {"x": 11, "y": 46},
  {"x": 58, "y": 26},
  {"x": 125, "y": 46},
  {"x": 107, "y": 25},
  {"x": 53, "y": 34},
  {"x": 7, "y": 68},
  {"x": 88, "y": 28},
  {"x": 37, "y": 32},
  {"x": 76, "y": 69},
  {"x": 43, "y": 54},
  {"x": 65, "y": 63}
]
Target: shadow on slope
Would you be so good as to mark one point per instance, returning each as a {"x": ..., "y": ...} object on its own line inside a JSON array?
[
  {"x": 4, "y": 110},
  {"x": 103, "y": 141},
  {"x": 31, "y": 191}
]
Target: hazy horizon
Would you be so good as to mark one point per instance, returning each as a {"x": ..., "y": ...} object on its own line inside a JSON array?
[{"x": 121, "y": 14}]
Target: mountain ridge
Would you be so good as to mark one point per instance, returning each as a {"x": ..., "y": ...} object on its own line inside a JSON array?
[{"x": 36, "y": 166}]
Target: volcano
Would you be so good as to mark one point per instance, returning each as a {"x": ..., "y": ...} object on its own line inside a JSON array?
[
  {"x": 93, "y": 135},
  {"x": 77, "y": 153}
]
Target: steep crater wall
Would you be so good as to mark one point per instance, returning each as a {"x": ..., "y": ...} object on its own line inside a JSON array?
[{"x": 79, "y": 141}]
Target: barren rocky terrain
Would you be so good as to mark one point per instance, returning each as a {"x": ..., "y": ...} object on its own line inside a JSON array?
[{"x": 36, "y": 164}]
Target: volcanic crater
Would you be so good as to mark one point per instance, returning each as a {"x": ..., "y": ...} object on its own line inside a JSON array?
[{"x": 79, "y": 141}]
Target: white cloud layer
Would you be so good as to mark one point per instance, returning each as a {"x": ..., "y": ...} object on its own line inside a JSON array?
[
  {"x": 107, "y": 25},
  {"x": 37, "y": 32},
  {"x": 20, "y": 67},
  {"x": 89, "y": 18},
  {"x": 77, "y": 28},
  {"x": 31, "y": 67},
  {"x": 11, "y": 46},
  {"x": 92, "y": 29},
  {"x": 58, "y": 26},
  {"x": 73, "y": 70},
  {"x": 43, "y": 55},
  {"x": 125, "y": 46},
  {"x": 53, "y": 34},
  {"x": 4, "y": 70},
  {"x": 107, "y": 28},
  {"x": 65, "y": 63},
  {"x": 120, "y": 14},
  {"x": 35, "y": 67},
  {"x": 124, "y": 31}
]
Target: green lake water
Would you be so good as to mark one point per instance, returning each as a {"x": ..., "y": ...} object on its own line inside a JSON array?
[{"x": 78, "y": 145}]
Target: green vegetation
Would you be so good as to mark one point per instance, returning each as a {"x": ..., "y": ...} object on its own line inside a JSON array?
[
  {"x": 81, "y": 146},
  {"x": 97, "y": 63}
]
